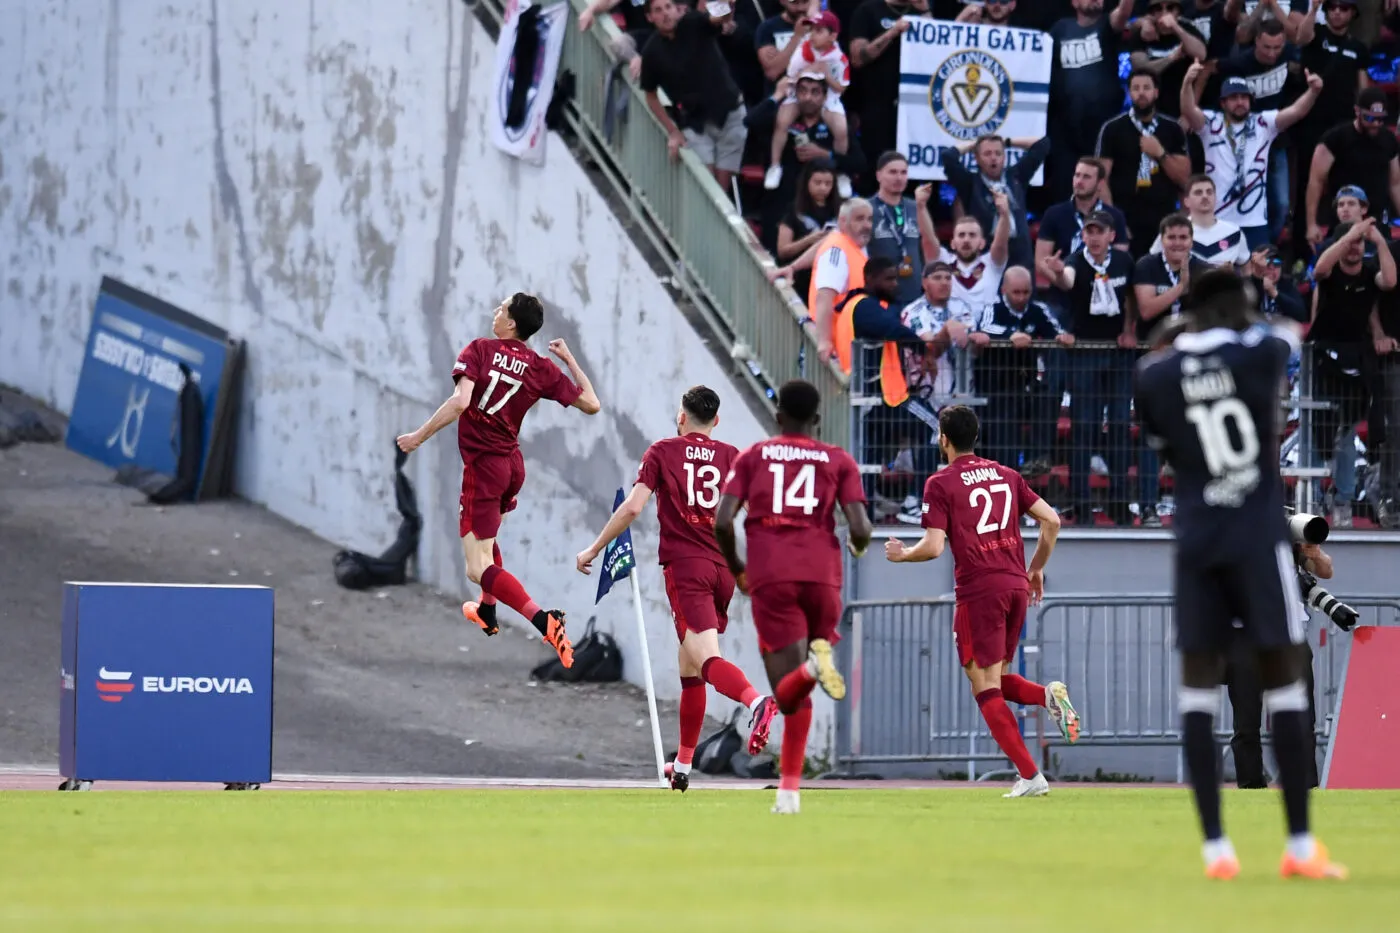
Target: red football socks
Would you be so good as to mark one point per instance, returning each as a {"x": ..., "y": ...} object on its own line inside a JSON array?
[
  {"x": 794, "y": 688},
  {"x": 796, "y": 725},
  {"x": 486, "y": 598},
  {"x": 1002, "y": 722},
  {"x": 728, "y": 680},
  {"x": 1019, "y": 690},
  {"x": 508, "y": 590},
  {"x": 692, "y": 717}
]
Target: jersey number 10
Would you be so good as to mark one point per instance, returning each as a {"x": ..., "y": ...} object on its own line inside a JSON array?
[{"x": 1222, "y": 454}]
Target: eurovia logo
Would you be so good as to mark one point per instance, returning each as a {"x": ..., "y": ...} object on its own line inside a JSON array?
[
  {"x": 113, "y": 685},
  {"x": 970, "y": 94}
]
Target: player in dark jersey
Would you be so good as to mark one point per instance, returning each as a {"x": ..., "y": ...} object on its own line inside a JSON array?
[
  {"x": 685, "y": 472},
  {"x": 791, "y": 485},
  {"x": 1210, "y": 402},
  {"x": 974, "y": 506},
  {"x": 499, "y": 380}
]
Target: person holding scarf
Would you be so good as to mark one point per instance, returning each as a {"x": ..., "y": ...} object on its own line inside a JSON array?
[{"x": 1144, "y": 155}]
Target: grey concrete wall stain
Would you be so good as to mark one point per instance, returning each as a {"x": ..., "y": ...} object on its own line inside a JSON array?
[
  {"x": 229, "y": 200},
  {"x": 48, "y": 185}
]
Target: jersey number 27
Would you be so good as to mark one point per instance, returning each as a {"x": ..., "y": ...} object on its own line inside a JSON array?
[{"x": 986, "y": 495}]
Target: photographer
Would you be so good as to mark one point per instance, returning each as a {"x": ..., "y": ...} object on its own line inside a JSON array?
[{"x": 1242, "y": 676}]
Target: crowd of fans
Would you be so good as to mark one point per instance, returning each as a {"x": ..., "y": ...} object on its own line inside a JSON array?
[{"x": 1181, "y": 134}]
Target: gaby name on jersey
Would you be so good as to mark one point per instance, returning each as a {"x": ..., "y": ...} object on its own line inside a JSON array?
[{"x": 706, "y": 454}]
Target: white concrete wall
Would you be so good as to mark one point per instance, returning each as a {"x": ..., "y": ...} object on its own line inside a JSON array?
[{"x": 317, "y": 178}]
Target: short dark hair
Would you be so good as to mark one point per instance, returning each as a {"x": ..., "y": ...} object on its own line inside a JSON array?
[
  {"x": 799, "y": 401},
  {"x": 1095, "y": 163},
  {"x": 1220, "y": 298},
  {"x": 1200, "y": 178},
  {"x": 1144, "y": 73},
  {"x": 1174, "y": 220},
  {"x": 887, "y": 157},
  {"x": 1271, "y": 27},
  {"x": 959, "y": 424},
  {"x": 878, "y": 265},
  {"x": 701, "y": 403},
  {"x": 988, "y": 138},
  {"x": 528, "y": 314},
  {"x": 647, "y": 8}
]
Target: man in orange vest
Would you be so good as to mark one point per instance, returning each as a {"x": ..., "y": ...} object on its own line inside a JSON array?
[{"x": 838, "y": 269}]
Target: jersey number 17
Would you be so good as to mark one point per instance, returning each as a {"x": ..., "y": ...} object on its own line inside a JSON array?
[{"x": 497, "y": 378}]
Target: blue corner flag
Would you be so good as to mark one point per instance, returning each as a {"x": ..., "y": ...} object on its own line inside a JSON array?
[{"x": 618, "y": 559}]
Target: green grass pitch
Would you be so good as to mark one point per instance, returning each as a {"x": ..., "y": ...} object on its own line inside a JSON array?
[{"x": 1082, "y": 859}]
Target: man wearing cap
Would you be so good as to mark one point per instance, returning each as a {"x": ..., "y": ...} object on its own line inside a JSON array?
[
  {"x": 1360, "y": 154},
  {"x": 1274, "y": 83},
  {"x": 1278, "y": 296},
  {"x": 1351, "y": 207},
  {"x": 1237, "y": 143},
  {"x": 1099, "y": 280}
]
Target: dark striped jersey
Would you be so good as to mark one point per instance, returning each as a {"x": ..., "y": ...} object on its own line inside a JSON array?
[{"x": 1211, "y": 403}]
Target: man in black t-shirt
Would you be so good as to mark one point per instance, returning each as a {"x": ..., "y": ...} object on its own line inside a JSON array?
[
  {"x": 1346, "y": 322},
  {"x": 683, "y": 58},
  {"x": 1144, "y": 153},
  {"x": 1099, "y": 281},
  {"x": 1167, "y": 45},
  {"x": 1363, "y": 153},
  {"x": 778, "y": 38},
  {"x": 1084, "y": 86},
  {"x": 875, "y": 31}
]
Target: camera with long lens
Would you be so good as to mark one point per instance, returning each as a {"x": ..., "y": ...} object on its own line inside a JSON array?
[{"x": 1313, "y": 529}]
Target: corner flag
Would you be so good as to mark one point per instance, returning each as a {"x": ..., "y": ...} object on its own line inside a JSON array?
[{"x": 618, "y": 558}]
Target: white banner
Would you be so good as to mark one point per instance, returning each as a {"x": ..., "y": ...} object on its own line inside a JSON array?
[
  {"x": 524, "y": 138},
  {"x": 959, "y": 81}
]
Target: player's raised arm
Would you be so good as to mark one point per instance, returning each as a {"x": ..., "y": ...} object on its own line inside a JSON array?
[
  {"x": 447, "y": 413},
  {"x": 625, "y": 515},
  {"x": 587, "y": 402}
]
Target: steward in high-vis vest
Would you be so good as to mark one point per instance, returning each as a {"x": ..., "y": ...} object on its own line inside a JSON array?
[
  {"x": 837, "y": 270},
  {"x": 867, "y": 314}
]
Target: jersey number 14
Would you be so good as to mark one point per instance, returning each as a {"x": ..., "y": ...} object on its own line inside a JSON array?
[{"x": 800, "y": 494}]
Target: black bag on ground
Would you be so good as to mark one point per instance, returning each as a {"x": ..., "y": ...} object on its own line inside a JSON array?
[
  {"x": 356, "y": 571},
  {"x": 596, "y": 660},
  {"x": 714, "y": 753}
]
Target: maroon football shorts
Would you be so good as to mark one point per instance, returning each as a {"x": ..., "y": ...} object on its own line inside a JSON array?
[
  {"x": 490, "y": 483},
  {"x": 987, "y": 628},
  {"x": 786, "y": 613},
  {"x": 700, "y": 591}
]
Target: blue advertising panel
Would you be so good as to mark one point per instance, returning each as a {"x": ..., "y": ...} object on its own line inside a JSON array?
[
  {"x": 125, "y": 407},
  {"x": 173, "y": 683},
  {"x": 67, "y": 678}
]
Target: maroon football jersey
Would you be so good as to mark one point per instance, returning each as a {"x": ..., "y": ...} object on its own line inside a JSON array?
[
  {"x": 792, "y": 485},
  {"x": 979, "y": 503},
  {"x": 508, "y": 378},
  {"x": 685, "y": 473}
]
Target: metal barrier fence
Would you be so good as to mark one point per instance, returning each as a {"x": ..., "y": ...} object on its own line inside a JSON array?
[
  {"x": 910, "y": 703},
  {"x": 712, "y": 256},
  {"x": 1063, "y": 416}
]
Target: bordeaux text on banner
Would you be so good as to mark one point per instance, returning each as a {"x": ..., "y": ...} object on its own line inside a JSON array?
[
  {"x": 959, "y": 81},
  {"x": 128, "y": 392},
  {"x": 526, "y": 63}
]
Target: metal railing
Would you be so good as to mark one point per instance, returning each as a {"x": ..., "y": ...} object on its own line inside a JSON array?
[
  {"x": 1063, "y": 416},
  {"x": 910, "y": 703},
  {"x": 693, "y": 227}
]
